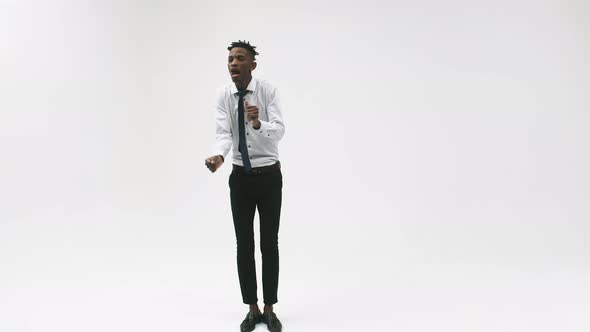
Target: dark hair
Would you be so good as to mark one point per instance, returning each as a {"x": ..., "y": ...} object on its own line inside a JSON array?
[{"x": 246, "y": 45}]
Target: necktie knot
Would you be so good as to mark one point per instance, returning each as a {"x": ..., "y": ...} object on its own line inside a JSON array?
[{"x": 241, "y": 94}]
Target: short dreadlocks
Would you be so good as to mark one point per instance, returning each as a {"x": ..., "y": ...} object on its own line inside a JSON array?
[{"x": 246, "y": 45}]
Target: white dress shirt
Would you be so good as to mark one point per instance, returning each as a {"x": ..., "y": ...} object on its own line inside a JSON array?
[{"x": 262, "y": 143}]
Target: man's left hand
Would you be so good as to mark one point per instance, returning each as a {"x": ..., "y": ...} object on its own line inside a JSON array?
[{"x": 252, "y": 115}]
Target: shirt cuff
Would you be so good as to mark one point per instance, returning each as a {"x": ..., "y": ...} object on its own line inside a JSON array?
[
  {"x": 263, "y": 130},
  {"x": 219, "y": 152}
]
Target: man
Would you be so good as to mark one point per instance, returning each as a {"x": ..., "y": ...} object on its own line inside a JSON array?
[{"x": 249, "y": 118}]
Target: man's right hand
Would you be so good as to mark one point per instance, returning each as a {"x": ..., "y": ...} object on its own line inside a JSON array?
[{"x": 213, "y": 163}]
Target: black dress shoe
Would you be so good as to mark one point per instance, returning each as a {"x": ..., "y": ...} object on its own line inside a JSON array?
[
  {"x": 272, "y": 322},
  {"x": 250, "y": 321}
]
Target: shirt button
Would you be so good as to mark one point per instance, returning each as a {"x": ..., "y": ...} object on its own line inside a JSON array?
[
  {"x": 250, "y": 157},
  {"x": 249, "y": 146},
  {"x": 247, "y": 133}
]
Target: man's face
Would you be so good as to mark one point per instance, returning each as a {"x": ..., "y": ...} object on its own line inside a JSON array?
[{"x": 240, "y": 64}]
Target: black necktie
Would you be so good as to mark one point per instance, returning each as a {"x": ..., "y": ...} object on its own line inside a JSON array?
[{"x": 243, "y": 145}]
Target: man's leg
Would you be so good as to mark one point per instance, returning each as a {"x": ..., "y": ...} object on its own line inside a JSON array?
[
  {"x": 243, "y": 207},
  {"x": 269, "y": 209}
]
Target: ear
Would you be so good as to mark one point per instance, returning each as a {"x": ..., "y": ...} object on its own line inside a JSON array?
[{"x": 253, "y": 66}]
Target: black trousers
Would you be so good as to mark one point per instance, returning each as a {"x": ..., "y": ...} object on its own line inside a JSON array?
[{"x": 248, "y": 192}]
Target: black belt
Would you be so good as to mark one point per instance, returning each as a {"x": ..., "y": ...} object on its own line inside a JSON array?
[{"x": 258, "y": 170}]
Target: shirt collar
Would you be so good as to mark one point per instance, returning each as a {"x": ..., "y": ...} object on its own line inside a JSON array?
[{"x": 251, "y": 86}]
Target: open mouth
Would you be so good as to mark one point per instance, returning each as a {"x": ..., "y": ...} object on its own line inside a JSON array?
[{"x": 234, "y": 73}]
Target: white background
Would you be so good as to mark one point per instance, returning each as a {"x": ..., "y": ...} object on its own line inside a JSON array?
[{"x": 436, "y": 165}]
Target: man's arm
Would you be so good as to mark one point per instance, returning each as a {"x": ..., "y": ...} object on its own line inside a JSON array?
[
  {"x": 273, "y": 128},
  {"x": 223, "y": 134}
]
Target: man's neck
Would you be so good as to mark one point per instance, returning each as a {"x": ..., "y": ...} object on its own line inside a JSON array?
[{"x": 244, "y": 85}]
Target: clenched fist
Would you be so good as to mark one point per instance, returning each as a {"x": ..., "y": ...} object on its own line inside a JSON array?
[
  {"x": 213, "y": 163},
  {"x": 252, "y": 114}
]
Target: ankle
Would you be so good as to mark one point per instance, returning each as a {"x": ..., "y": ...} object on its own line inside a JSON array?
[
  {"x": 254, "y": 308},
  {"x": 267, "y": 308}
]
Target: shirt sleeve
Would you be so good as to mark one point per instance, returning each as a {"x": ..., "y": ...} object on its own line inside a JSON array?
[
  {"x": 223, "y": 134},
  {"x": 274, "y": 128}
]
